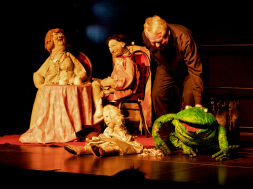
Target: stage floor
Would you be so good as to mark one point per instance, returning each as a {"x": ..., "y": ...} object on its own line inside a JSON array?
[{"x": 21, "y": 165}]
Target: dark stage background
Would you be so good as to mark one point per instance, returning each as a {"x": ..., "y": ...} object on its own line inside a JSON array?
[{"x": 88, "y": 23}]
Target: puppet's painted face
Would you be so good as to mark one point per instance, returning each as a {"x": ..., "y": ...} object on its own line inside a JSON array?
[
  {"x": 116, "y": 47},
  {"x": 59, "y": 39},
  {"x": 109, "y": 118}
]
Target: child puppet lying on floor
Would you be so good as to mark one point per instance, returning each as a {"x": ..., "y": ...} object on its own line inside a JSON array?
[{"x": 115, "y": 139}]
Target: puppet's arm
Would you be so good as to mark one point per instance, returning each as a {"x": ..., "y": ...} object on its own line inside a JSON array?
[
  {"x": 223, "y": 145},
  {"x": 40, "y": 75},
  {"x": 159, "y": 143}
]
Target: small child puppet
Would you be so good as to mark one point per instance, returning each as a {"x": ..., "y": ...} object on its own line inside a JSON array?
[{"x": 115, "y": 139}]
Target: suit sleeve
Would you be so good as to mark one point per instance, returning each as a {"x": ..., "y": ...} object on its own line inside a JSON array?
[{"x": 194, "y": 64}]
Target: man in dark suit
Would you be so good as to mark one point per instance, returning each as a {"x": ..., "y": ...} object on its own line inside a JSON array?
[{"x": 178, "y": 62}]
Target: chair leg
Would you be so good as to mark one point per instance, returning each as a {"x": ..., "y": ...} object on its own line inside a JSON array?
[
  {"x": 141, "y": 114},
  {"x": 120, "y": 104},
  {"x": 143, "y": 120}
]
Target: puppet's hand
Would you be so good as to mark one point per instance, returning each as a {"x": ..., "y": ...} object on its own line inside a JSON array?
[
  {"x": 221, "y": 156},
  {"x": 107, "y": 82},
  {"x": 188, "y": 151},
  {"x": 71, "y": 81},
  {"x": 161, "y": 145}
]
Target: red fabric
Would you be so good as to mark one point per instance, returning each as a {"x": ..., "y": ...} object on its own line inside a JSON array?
[
  {"x": 85, "y": 63},
  {"x": 62, "y": 112},
  {"x": 141, "y": 88},
  {"x": 142, "y": 63},
  {"x": 109, "y": 97},
  {"x": 14, "y": 140},
  {"x": 131, "y": 97}
]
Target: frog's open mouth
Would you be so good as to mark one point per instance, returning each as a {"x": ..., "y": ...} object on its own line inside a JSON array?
[{"x": 190, "y": 127}]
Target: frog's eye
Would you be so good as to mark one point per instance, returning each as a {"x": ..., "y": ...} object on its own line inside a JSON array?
[
  {"x": 205, "y": 110},
  {"x": 187, "y": 107}
]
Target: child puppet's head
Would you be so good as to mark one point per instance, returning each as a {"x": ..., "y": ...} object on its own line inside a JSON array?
[{"x": 113, "y": 117}]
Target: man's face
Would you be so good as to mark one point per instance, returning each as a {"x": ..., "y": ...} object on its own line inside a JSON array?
[
  {"x": 116, "y": 47},
  {"x": 158, "y": 40}
]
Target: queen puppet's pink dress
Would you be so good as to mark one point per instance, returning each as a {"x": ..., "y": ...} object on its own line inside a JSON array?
[{"x": 50, "y": 121}]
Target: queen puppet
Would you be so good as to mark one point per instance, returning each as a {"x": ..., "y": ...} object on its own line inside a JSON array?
[{"x": 61, "y": 67}]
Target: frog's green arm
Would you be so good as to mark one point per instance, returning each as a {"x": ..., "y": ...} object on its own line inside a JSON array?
[
  {"x": 179, "y": 144},
  {"x": 222, "y": 137},
  {"x": 223, "y": 145},
  {"x": 159, "y": 143}
]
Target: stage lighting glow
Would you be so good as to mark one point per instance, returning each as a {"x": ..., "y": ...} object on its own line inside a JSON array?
[
  {"x": 103, "y": 10},
  {"x": 96, "y": 33}
]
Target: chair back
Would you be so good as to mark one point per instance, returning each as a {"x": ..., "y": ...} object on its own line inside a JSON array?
[
  {"x": 85, "y": 62},
  {"x": 143, "y": 62}
]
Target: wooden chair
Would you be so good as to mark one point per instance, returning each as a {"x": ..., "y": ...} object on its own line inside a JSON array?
[{"x": 143, "y": 62}]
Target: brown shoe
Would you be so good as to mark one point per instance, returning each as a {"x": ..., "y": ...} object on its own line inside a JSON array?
[
  {"x": 78, "y": 150},
  {"x": 97, "y": 150},
  {"x": 102, "y": 152}
]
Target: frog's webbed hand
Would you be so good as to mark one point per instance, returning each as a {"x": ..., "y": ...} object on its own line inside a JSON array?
[
  {"x": 189, "y": 151},
  {"x": 179, "y": 144},
  {"x": 223, "y": 154},
  {"x": 159, "y": 143}
]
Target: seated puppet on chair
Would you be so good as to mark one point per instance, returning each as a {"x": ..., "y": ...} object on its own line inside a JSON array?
[
  {"x": 60, "y": 66},
  {"x": 124, "y": 79},
  {"x": 115, "y": 139}
]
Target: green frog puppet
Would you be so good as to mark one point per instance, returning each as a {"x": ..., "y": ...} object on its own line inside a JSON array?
[{"x": 194, "y": 128}]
